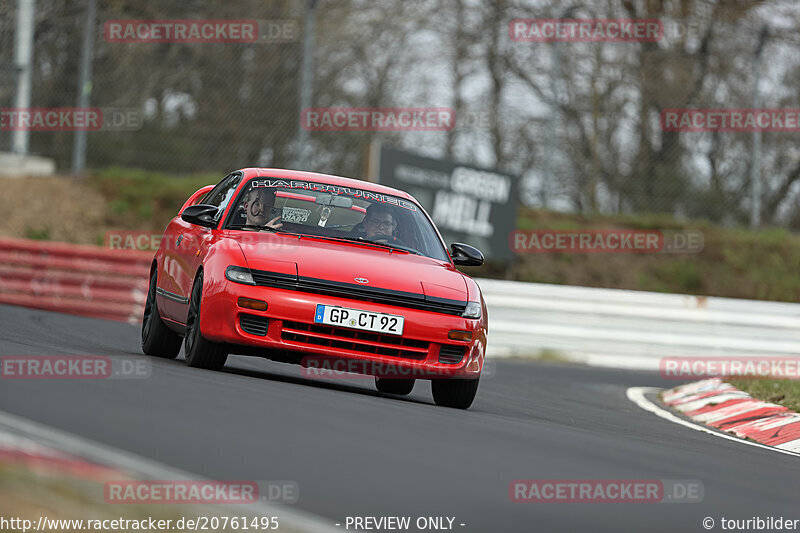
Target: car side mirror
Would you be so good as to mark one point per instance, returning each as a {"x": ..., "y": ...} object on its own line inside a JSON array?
[
  {"x": 466, "y": 255},
  {"x": 201, "y": 215}
]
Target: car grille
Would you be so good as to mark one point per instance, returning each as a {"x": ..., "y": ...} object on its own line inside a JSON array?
[
  {"x": 451, "y": 354},
  {"x": 254, "y": 325},
  {"x": 358, "y": 292},
  {"x": 354, "y": 340}
]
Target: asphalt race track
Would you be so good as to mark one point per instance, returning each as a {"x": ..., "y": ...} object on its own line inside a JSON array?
[{"x": 354, "y": 452}]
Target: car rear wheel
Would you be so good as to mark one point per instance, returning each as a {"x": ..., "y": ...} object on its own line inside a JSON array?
[
  {"x": 157, "y": 339},
  {"x": 394, "y": 386},
  {"x": 200, "y": 353},
  {"x": 457, "y": 393}
]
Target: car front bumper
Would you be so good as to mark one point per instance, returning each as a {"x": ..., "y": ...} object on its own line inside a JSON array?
[{"x": 423, "y": 351}]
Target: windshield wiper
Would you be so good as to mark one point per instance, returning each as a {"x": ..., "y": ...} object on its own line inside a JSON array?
[
  {"x": 385, "y": 245},
  {"x": 327, "y": 237},
  {"x": 395, "y": 247},
  {"x": 364, "y": 241}
]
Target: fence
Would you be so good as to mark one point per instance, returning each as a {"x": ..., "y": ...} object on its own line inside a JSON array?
[{"x": 578, "y": 121}]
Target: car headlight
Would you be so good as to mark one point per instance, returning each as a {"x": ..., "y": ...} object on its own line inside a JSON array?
[
  {"x": 473, "y": 310},
  {"x": 239, "y": 275}
]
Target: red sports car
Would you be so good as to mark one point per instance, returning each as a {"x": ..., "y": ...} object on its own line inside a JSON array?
[{"x": 322, "y": 271}]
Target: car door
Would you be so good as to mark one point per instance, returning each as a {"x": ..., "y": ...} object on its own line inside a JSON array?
[{"x": 186, "y": 254}]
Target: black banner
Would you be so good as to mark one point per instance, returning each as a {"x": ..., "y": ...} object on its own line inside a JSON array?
[{"x": 468, "y": 204}]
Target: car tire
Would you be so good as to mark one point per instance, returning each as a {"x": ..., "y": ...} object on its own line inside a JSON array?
[
  {"x": 157, "y": 339},
  {"x": 457, "y": 393},
  {"x": 200, "y": 353},
  {"x": 401, "y": 387}
]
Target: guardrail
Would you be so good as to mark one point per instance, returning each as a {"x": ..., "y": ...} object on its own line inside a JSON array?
[
  {"x": 600, "y": 326},
  {"x": 82, "y": 280},
  {"x": 634, "y": 329}
]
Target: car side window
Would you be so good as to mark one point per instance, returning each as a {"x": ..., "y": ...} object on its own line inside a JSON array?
[{"x": 220, "y": 195}]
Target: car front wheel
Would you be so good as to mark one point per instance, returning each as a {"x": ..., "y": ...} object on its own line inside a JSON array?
[
  {"x": 457, "y": 393},
  {"x": 200, "y": 353}
]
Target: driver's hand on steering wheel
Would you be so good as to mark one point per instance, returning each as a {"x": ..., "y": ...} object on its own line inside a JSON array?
[{"x": 385, "y": 239}]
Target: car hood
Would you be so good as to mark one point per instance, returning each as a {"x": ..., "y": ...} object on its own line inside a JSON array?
[{"x": 351, "y": 264}]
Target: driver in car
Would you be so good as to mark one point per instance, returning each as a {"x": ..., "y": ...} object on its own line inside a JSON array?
[
  {"x": 380, "y": 224},
  {"x": 259, "y": 206}
]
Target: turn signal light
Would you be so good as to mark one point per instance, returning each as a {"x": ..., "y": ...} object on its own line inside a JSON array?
[
  {"x": 458, "y": 335},
  {"x": 256, "y": 305}
]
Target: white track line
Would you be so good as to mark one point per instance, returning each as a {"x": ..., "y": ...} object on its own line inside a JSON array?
[
  {"x": 295, "y": 519},
  {"x": 637, "y": 396}
]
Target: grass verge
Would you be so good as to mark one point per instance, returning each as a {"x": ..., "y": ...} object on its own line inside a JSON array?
[{"x": 785, "y": 392}]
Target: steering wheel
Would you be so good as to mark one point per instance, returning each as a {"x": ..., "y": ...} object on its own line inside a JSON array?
[{"x": 384, "y": 238}]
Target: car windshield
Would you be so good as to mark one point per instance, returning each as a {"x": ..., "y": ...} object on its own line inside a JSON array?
[{"x": 331, "y": 211}]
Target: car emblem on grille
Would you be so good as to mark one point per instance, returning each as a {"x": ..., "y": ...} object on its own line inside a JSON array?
[{"x": 361, "y": 280}]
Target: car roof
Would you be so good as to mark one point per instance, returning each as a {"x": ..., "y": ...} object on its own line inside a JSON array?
[{"x": 327, "y": 179}]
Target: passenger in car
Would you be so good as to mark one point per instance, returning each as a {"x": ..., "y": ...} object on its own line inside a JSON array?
[{"x": 259, "y": 205}]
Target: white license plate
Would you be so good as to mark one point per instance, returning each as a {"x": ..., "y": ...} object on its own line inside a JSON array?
[{"x": 354, "y": 318}]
